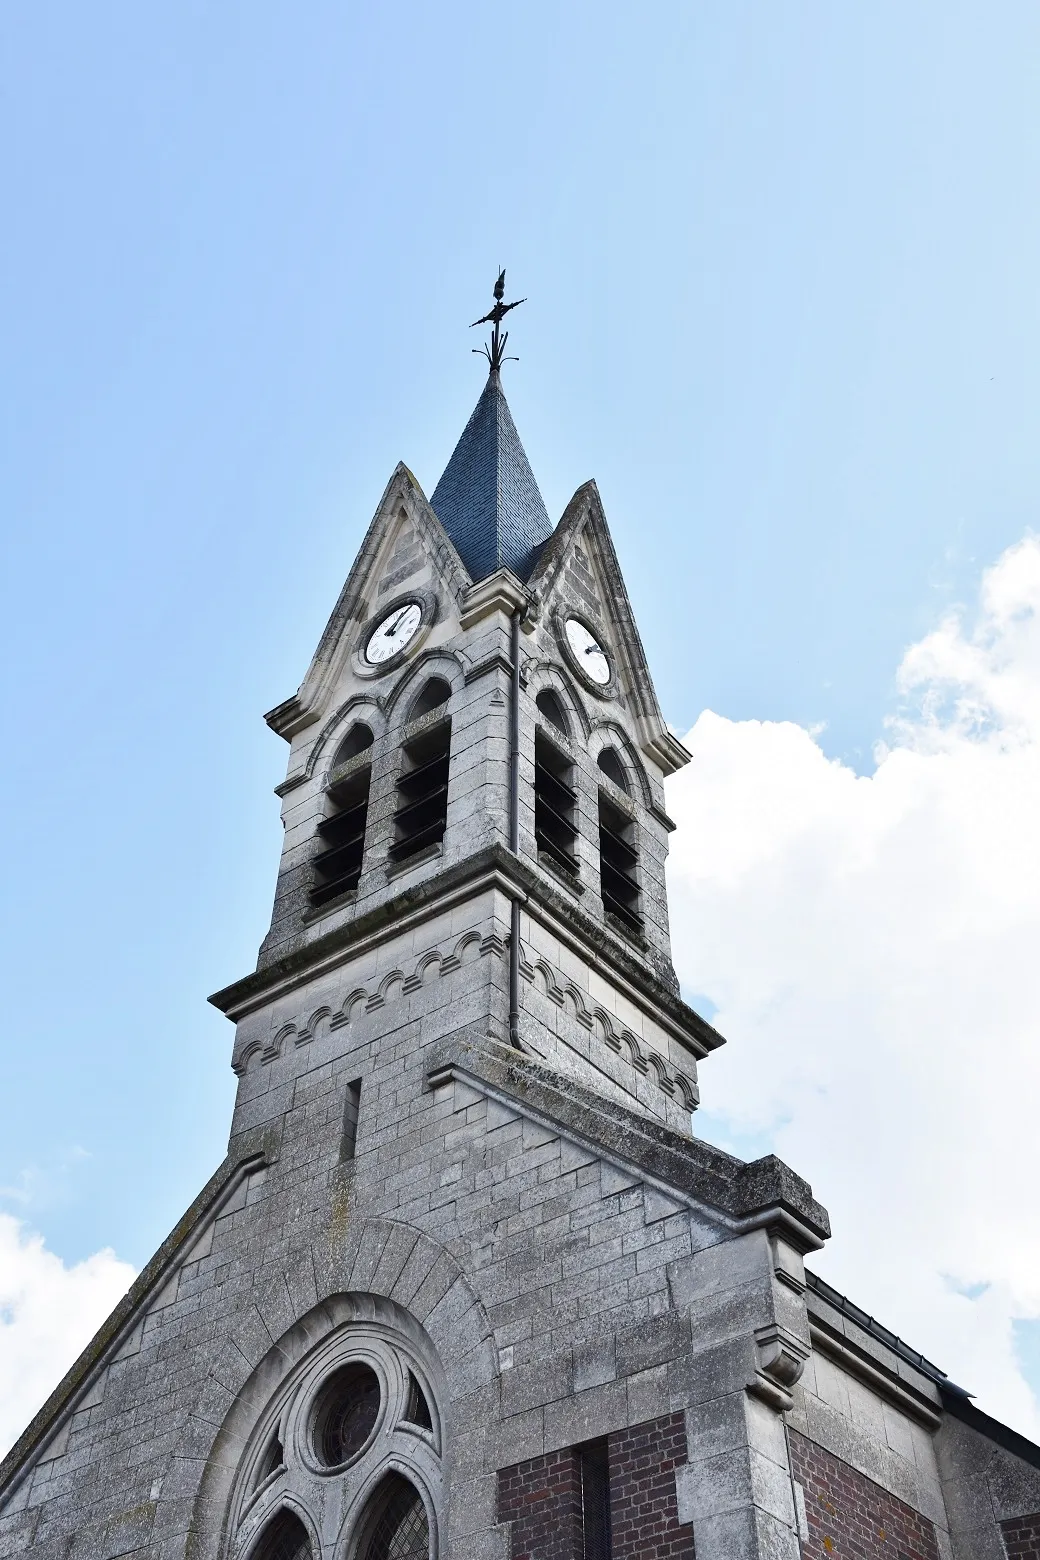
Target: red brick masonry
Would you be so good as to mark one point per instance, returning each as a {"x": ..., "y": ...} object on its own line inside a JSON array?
[
  {"x": 643, "y": 1515},
  {"x": 851, "y": 1517},
  {"x": 1022, "y": 1537},
  {"x": 541, "y": 1498}
]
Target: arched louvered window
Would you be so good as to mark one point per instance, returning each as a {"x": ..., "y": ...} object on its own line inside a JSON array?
[
  {"x": 342, "y": 834},
  {"x": 618, "y": 862},
  {"x": 549, "y": 708},
  {"x": 285, "y": 1538},
  {"x": 613, "y": 768},
  {"x": 421, "y": 815},
  {"x": 401, "y": 1528},
  {"x": 357, "y": 740},
  {"x": 555, "y": 804},
  {"x": 430, "y": 697}
]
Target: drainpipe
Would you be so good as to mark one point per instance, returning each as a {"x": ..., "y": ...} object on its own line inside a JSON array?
[{"x": 514, "y": 825}]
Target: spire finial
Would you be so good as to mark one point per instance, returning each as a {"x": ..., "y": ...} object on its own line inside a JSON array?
[{"x": 495, "y": 354}]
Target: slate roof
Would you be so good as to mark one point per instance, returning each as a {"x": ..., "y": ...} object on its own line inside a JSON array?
[{"x": 487, "y": 499}]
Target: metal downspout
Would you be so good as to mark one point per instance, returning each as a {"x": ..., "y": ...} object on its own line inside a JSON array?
[{"x": 514, "y": 825}]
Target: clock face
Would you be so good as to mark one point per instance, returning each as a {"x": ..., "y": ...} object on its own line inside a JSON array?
[
  {"x": 587, "y": 651},
  {"x": 391, "y": 636}
]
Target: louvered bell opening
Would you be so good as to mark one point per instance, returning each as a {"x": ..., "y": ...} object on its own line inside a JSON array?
[
  {"x": 422, "y": 793},
  {"x": 619, "y": 886},
  {"x": 338, "y": 863},
  {"x": 555, "y": 805}
]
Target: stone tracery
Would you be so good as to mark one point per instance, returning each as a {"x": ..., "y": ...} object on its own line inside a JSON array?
[{"x": 338, "y": 1460}]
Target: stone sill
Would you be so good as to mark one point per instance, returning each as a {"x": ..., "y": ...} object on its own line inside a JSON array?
[
  {"x": 394, "y": 869},
  {"x": 547, "y": 864},
  {"x": 622, "y": 929},
  {"x": 341, "y": 901}
]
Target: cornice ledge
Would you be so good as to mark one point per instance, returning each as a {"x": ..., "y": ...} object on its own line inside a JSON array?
[
  {"x": 291, "y": 782},
  {"x": 684, "y": 1022},
  {"x": 764, "y": 1194},
  {"x": 382, "y": 921},
  {"x": 872, "y": 1375},
  {"x": 291, "y": 716},
  {"x": 492, "y": 663},
  {"x": 499, "y": 592},
  {"x": 500, "y": 867},
  {"x": 666, "y": 750}
]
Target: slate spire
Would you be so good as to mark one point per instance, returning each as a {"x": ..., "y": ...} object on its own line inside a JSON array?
[{"x": 487, "y": 499}]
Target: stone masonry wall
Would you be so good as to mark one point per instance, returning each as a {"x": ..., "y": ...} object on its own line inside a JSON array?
[
  {"x": 1022, "y": 1537},
  {"x": 849, "y": 1516},
  {"x": 568, "y": 1258},
  {"x": 541, "y": 1498},
  {"x": 839, "y": 1411}
]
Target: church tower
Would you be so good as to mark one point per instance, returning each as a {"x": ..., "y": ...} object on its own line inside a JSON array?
[{"x": 466, "y": 1286}]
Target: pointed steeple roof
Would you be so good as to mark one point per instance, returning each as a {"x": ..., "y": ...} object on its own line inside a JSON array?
[{"x": 488, "y": 500}]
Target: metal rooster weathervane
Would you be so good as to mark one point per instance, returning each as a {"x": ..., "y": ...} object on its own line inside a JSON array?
[{"x": 495, "y": 354}]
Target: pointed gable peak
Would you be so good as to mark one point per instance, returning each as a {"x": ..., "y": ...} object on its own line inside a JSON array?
[
  {"x": 487, "y": 499},
  {"x": 579, "y": 570}
]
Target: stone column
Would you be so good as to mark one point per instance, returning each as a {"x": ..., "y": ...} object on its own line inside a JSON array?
[{"x": 750, "y": 1340}]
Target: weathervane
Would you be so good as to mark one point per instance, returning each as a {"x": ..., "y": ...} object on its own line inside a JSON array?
[{"x": 495, "y": 354}]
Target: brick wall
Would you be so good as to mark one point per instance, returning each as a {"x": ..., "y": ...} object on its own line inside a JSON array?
[
  {"x": 541, "y": 1498},
  {"x": 851, "y": 1516},
  {"x": 643, "y": 1515},
  {"x": 1022, "y": 1537}
]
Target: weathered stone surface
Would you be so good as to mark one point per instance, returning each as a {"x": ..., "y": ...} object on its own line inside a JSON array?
[{"x": 525, "y": 1245}]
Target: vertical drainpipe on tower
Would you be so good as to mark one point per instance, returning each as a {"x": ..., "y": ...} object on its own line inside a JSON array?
[{"x": 514, "y": 826}]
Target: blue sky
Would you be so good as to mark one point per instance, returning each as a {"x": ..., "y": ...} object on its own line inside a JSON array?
[{"x": 781, "y": 263}]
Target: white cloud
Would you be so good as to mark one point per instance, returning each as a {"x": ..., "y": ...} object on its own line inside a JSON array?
[
  {"x": 872, "y": 944},
  {"x": 48, "y": 1313}
]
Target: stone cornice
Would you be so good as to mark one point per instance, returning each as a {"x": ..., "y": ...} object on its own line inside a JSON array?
[
  {"x": 494, "y": 867},
  {"x": 872, "y": 1374},
  {"x": 499, "y": 592},
  {"x": 762, "y": 1194}
]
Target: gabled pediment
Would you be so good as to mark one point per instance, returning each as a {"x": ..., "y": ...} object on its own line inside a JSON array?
[
  {"x": 404, "y": 538},
  {"x": 579, "y": 566},
  {"x": 119, "y": 1338}
]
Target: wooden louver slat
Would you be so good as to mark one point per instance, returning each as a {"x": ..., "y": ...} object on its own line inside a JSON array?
[
  {"x": 338, "y": 866},
  {"x": 422, "y": 793}
]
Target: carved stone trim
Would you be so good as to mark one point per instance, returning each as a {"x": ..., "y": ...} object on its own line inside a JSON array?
[
  {"x": 871, "y": 1376},
  {"x": 781, "y": 1357}
]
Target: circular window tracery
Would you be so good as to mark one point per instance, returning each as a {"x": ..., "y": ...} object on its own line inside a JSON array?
[
  {"x": 345, "y": 1413},
  {"x": 346, "y": 1448}
]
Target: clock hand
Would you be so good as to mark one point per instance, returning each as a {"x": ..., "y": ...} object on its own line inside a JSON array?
[{"x": 391, "y": 628}]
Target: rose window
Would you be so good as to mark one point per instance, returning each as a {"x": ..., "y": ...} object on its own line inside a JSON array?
[{"x": 346, "y": 1457}]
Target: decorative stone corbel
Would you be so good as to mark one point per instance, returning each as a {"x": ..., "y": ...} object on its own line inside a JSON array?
[{"x": 780, "y": 1360}]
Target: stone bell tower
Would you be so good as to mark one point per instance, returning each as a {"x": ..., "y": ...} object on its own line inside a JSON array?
[{"x": 465, "y": 1285}]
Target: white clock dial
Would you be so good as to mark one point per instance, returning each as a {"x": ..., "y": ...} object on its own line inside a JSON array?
[
  {"x": 588, "y": 653},
  {"x": 396, "y": 630}
]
